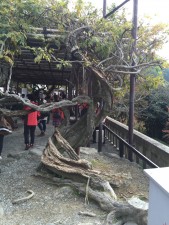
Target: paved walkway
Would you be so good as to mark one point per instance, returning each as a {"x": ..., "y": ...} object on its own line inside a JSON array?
[{"x": 14, "y": 143}]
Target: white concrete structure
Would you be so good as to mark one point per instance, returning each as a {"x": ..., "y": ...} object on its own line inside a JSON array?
[
  {"x": 158, "y": 212},
  {"x": 24, "y": 91}
]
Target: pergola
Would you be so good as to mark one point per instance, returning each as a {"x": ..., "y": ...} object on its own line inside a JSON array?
[{"x": 26, "y": 71}]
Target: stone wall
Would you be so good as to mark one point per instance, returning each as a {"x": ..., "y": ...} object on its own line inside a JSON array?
[{"x": 152, "y": 149}]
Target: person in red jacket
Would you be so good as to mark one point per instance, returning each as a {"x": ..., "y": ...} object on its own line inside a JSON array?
[
  {"x": 30, "y": 123},
  {"x": 57, "y": 116}
]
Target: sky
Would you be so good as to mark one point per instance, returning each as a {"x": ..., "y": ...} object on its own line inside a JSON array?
[{"x": 158, "y": 10}]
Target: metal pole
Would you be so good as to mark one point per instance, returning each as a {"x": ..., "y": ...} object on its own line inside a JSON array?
[
  {"x": 104, "y": 8},
  {"x": 132, "y": 77},
  {"x": 100, "y": 143}
]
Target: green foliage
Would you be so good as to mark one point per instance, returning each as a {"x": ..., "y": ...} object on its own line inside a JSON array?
[
  {"x": 155, "y": 111},
  {"x": 19, "y": 17},
  {"x": 166, "y": 74},
  {"x": 62, "y": 63},
  {"x": 106, "y": 38},
  {"x": 150, "y": 82}
]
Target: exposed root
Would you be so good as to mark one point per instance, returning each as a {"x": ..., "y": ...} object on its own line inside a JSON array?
[
  {"x": 87, "y": 189},
  {"x": 119, "y": 212},
  {"x": 24, "y": 198},
  {"x": 87, "y": 214}
]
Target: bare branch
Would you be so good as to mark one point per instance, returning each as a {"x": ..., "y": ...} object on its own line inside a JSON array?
[
  {"x": 126, "y": 72},
  {"x": 41, "y": 108},
  {"x": 110, "y": 58},
  {"x": 9, "y": 79},
  {"x": 109, "y": 68}
]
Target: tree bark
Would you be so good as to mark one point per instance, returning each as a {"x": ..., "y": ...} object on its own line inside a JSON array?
[
  {"x": 59, "y": 155},
  {"x": 60, "y": 158}
]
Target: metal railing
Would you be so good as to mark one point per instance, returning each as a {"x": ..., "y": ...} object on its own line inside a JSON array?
[{"x": 125, "y": 149}]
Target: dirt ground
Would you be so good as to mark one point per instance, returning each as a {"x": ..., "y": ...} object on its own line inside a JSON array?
[{"x": 52, "y": 204}]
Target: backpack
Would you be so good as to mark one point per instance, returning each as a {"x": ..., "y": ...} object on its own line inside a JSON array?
[
  {"x": 56, "y": 114},
  {"x": 5, "y": 127},
  {"x": 44, "y": 114}
]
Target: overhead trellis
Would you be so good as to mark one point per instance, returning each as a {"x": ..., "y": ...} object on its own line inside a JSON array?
[{"x": 30, "y": 69}]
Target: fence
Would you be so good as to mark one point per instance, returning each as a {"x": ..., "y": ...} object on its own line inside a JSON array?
[{"x": 145, "y": 151}]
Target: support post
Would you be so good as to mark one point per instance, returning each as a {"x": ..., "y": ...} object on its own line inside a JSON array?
[
  {"x": 132, "y": 77},
  {"x": 121, "y": 149},
  {"x": 100, "y": 141}
]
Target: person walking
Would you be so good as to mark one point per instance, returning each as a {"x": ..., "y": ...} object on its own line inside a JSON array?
[
  {"x": 43, "y": 119},
  {"x": 30, "y": 123},
  {"x": 5, "y": 129},
  {"x": 57, "y": 117},
  {"x": 42, "y": 123}
]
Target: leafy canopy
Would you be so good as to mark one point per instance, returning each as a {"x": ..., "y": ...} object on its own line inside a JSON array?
[{"x": 20, "y": 17}]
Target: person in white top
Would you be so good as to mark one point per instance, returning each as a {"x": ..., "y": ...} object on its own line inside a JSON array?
[{"x": 43, "y": 121}]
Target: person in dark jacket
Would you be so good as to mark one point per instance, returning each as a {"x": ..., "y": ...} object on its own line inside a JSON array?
[{"x": 5, "y": 129}]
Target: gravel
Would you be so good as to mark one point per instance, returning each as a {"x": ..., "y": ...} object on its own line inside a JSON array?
[{"x": 52, "y": 204}]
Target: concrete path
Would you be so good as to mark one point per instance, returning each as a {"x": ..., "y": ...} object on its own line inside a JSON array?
[{"x": 14, "y": 143}]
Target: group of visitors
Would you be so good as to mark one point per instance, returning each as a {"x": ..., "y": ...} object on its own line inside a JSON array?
[
  {"x": 31, "y": 121},
  {"x": 40, "y": 119},
  {"x": 36, "y": 118}
]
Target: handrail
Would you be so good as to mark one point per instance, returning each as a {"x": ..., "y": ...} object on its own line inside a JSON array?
[{"x": 123, "y": 143}]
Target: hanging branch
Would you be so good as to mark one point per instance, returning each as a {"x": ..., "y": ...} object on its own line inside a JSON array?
[
  {"x": 2, "y": 46},
  {"x": 9, "y": 79}
]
